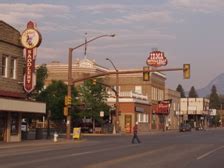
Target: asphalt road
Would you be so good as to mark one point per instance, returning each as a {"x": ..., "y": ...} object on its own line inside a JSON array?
[{"x": 196, "y": 149}]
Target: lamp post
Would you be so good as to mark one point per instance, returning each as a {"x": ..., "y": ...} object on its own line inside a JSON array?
[
  {"x": 48, "y": 123},
  {"x": 117, "y": 96},
  {"x": 70, "y": 80}
]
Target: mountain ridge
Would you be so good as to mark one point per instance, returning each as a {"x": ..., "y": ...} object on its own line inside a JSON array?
[{"x": 218, "y": 81}]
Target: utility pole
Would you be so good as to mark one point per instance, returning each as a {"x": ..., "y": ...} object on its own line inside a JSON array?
[
  {"x": 117, "y": 123},
  {"x": 71, "y": 82}
]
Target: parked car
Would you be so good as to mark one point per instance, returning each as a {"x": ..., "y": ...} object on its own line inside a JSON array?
[{"x": 184, "y": 127}]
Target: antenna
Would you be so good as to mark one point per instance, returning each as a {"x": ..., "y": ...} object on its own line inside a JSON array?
[{"x": 85, "y": 50}]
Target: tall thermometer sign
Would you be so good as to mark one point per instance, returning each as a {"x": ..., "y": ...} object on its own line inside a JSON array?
[{"x": 30, "y": 40}]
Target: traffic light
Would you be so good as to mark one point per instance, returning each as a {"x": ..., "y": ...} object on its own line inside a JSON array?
[
  {"x": 145, "y": 74},
  {"x": 68, "y": 100},
  {"x": 186, "y": 71}
]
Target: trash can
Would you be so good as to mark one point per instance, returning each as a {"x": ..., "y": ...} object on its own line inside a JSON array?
[{"x": 39, "y": 133}]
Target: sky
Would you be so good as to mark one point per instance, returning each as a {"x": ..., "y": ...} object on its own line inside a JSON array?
[{"x": 187, "y": 31}]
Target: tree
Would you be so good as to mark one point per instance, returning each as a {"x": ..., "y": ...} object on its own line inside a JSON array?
[
  {"x": 54, "y": 96},
  {"x": 214, "y": 99},
  {"x": 93, "y": 96},
  {"x": 181, "y": 90},
  {"x": 41, "y": 75},
  {"x": 192, "y": 93}
]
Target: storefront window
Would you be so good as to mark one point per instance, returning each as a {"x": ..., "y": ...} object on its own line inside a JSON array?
[
  {"x": 2, "y": 125},
  {"x": 14, "y": 124}
]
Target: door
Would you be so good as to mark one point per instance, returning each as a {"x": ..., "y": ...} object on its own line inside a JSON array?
[
  {"x": 2, "y": 125},
  {"x": 128, "y": 124}
]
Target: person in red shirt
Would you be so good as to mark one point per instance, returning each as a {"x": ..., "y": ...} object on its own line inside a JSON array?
[{"x": 135, "y": 134}]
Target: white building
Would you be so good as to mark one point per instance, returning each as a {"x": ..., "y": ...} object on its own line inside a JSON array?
[{"x": 195, "y": 110}]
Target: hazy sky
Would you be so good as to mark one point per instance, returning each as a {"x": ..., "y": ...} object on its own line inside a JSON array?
[{"x": 188, "y": 31}]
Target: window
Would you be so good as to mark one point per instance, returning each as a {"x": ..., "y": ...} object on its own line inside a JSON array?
[
  {"x": 4, "y": 65},
  {"x": 160, "y": 94},
  {"x": 13, "y": 68},
  {"x": 153, "y": 93},
  {"x": 143, "y": 118},
  {"x": 138, "y": 89}
]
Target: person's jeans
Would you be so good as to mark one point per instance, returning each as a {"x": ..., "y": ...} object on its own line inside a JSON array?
[{"x": 135, "y": 137}]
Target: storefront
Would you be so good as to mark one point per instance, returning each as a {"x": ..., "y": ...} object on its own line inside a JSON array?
[
  {"x": 11, "y": 111},
  {"x": 159, "y": 115},
  {"x": 132, "y": 112}
]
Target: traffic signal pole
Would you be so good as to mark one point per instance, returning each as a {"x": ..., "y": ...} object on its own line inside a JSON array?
[{"x": 127, "y": 72}]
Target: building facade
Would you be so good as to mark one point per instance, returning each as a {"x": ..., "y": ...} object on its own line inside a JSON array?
[
  {"x": 134, "y": 107},
  {"x": 13, "y": 103},
  {"x": 195, "y": 111},
  {"x": 154, "y": 90},
  {"x": 174, "y": 118}
]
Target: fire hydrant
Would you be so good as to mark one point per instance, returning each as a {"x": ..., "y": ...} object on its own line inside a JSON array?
[{"x": 55, "y": 137}]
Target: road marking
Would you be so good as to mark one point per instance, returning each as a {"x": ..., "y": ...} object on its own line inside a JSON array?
[{"x": 209, "y": 153}]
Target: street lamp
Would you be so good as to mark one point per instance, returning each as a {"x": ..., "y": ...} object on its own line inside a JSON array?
[
  {"x": 117, "y": 96},
  {"x": 70, "y": 80}
]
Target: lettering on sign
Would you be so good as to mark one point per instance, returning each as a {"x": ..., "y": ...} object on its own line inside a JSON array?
[
  {"x": 29, "y": 71},
  {"x": 157, "y": 59}
]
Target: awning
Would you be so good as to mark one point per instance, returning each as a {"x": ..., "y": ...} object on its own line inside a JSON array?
[{"x": 22, "y": 106}]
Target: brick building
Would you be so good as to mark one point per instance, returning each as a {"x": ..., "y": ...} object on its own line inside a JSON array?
[
  {"x": 174, "y": 118},
  {"x": 13, "y": 103}
]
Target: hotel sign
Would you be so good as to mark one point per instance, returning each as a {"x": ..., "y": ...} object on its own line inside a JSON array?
[
  {"x": 30, "y": 40},
  {"x": 156, "y": 59}
]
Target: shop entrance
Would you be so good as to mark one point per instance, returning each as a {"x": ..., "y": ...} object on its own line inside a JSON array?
[
  {"x": 128, "y": 125},
  {"x": 2, "y": 125}
]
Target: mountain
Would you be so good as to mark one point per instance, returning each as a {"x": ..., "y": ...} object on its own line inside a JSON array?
[{"x": 218, "y": 82}]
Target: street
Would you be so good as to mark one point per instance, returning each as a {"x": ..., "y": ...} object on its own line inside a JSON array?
[{"x": 161, "y": 150}]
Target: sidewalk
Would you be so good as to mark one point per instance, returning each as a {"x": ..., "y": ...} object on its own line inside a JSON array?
[{"x": 36, "y": 143}]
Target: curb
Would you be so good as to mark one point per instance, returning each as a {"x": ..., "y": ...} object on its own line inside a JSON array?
[{"x": 37, "y": 143}]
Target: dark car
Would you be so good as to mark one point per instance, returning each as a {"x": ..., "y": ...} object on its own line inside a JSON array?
[{"x": 184, "y": 127}]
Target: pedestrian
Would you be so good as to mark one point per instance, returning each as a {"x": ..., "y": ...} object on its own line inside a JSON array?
[{"x": 135, "y": 134}]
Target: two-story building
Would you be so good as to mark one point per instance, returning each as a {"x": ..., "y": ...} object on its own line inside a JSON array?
[
  {"x": 13, "y": 101},
  {"x": 174, "y": 118}
]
